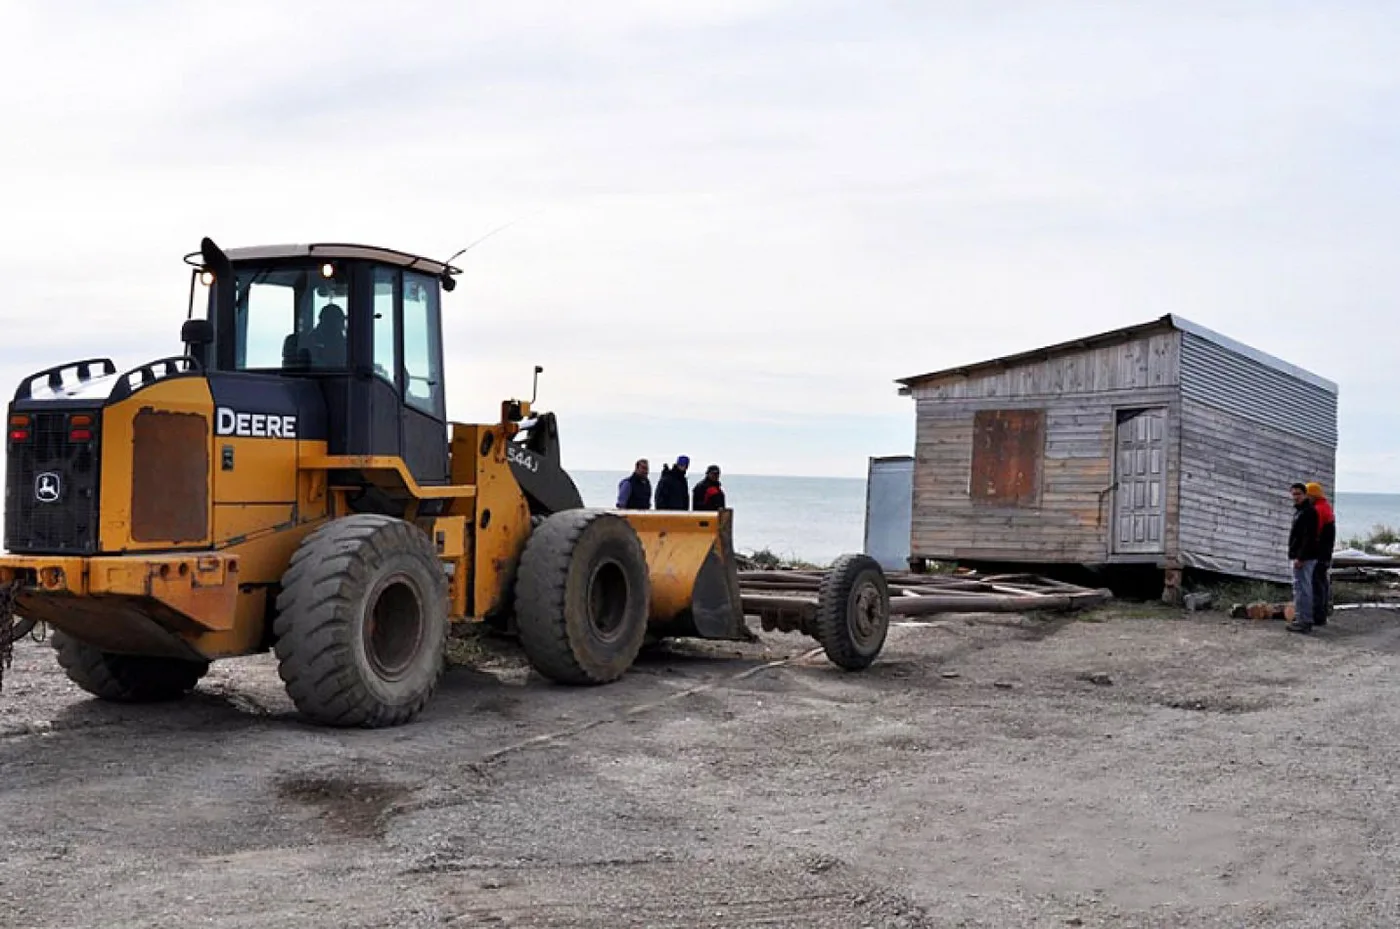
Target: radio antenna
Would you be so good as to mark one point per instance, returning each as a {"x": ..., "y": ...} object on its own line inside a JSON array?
[{"x": 500, "y": 228}]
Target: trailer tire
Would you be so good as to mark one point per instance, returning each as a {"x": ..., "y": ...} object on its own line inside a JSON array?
[
  {"x": 583, "y": 597},
  {"x": 853, "y": 612},
  {"x": 126, "y": 678},
  {"x": 361, "y": 627}
]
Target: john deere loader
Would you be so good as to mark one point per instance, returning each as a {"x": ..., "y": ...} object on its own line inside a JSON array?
[{"x": 290, "y": 482}]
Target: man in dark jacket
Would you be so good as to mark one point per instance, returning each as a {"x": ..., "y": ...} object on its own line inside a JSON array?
[
  {"x": 1303, "y": 540},
  {"x": 709, "y": 493},
  {"x": 634, "y": 490},
  {"x": 672, "y": 491}
]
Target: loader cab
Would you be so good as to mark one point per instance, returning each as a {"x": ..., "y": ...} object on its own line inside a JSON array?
[{"x": 358, "y": 325}]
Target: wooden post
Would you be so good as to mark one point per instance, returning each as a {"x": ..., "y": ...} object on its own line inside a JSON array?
[{"x": 1171, "y": 586}]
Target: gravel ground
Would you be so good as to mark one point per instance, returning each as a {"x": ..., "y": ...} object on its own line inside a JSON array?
[{"x": 1145, "y": 768}]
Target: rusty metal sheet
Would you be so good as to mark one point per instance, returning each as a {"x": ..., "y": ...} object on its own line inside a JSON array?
[
  {"x": 1008, "y": 448},
  {"x": 169, "y": 477}
]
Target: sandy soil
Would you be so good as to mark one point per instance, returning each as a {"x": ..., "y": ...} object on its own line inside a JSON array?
[{"x": 1149, "y": 768}]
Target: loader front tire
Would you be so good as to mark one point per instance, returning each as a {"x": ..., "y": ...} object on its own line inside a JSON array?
[
  {"x": 362, "y": 622},
  {"x": 583, "y": 596},
  {"x": 126, "y": 678},
  {"x": 853, "y": 612}
]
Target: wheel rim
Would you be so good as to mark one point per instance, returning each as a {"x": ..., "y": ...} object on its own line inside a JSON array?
[
  {"x": 866, "y": 616},
  {"x": 394, "y": 627},
  {"x": 607, "y": 600}
]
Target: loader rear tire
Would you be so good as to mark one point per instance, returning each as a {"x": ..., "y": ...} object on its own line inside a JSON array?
[
  {"x": 126, "y": 678},
  {"x": 853, "y": 612},
  {"x": 362, "y": 622},
  {"x": 583, "y": 597}
]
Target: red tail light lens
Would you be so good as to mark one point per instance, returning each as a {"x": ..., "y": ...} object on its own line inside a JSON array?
[
  {"x": 19, "y": 428},
  {"x": 80, "y": 427}
]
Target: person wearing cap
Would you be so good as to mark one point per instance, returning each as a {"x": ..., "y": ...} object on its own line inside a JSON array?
[
  {"x": 672, "y": 490},
  {"x": 1326, "y": 544},
  {"x": 709, "y": 493}
]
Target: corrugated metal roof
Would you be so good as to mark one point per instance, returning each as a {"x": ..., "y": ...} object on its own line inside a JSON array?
[{"x": 1170, "y": 321}]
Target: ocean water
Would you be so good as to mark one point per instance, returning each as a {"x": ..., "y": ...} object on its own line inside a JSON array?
[
  {"x": 1359, "y": 514},
  {"x": 818, "y": 518},
  {"x": 813, "y": 518}
]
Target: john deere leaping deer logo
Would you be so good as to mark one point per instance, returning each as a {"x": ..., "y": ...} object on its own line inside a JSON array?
[{"x": 48, "y": 487}]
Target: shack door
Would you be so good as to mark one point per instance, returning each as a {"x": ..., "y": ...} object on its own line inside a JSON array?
[{"x": 1140, "y": 498}]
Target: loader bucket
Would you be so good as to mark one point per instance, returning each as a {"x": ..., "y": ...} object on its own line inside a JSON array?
[{"x": 694, "y": 577}]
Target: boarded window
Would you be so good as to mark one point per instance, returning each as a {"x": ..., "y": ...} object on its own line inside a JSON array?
[{"x": 1007, "y": 449}]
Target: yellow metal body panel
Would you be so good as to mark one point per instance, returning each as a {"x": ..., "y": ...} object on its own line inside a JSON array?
[
  {"x": 501, "y": 518},
  {"x": 176, "y": 395},
  {"x": 264, "y": 470},
  {"x": 451, "y": 536},
  {"x": 676, "y": 545},
  {"x": 234, "y": 522},
  {"x": 386, "y": 465},
  {"x": 172, "y": 578}
]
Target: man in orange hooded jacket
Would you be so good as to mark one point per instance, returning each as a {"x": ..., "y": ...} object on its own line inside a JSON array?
[{"x": 1326, "y": 543}]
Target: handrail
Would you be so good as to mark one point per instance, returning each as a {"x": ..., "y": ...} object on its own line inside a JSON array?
[
  {"x": 172, "y": 365},
  {"x": 25, "y": 391}
]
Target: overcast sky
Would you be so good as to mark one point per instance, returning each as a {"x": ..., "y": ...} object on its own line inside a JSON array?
[{"x": 736, "y": 223}]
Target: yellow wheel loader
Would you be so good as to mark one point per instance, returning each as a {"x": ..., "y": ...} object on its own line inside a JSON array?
[{"x": 291, "y": 482}]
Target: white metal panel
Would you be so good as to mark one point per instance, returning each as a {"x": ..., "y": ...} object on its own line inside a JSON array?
[{"x": 889, "y": 494}]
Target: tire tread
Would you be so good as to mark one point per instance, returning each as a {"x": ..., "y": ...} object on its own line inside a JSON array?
[
  {"x": 832, "y": 625},
  {"x": 317, "y": 620}
]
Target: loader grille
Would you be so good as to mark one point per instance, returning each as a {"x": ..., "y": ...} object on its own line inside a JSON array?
[{"x": 51, "y": 484}]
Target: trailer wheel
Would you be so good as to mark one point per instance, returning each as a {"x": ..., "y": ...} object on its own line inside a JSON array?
[
  {"x": 362, "y": 622},
  {"x": 853, "y": 612},
  {"x": 583, "y": 597},
  {"x": 126, "y": 678}
]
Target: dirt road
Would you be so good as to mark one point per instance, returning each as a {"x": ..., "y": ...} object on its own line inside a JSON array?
[{"x": 1155, "y": 770}]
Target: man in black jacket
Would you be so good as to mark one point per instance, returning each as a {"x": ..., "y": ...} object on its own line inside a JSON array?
[
  {"x": 1303, "y": 549},
  {"x": 672, "y": 491},
  {"x": 709, "y": 493}
]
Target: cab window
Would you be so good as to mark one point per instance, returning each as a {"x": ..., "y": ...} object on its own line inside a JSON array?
[
  {"x": 422, "y": 348},
  {"x": 290, "y": 318},
  {"x": 386, "y": 352}
]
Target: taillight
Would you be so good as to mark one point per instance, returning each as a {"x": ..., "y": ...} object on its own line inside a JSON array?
[
  {"x": 80, "y": 427},
  {"x": 19, "y": 428}
]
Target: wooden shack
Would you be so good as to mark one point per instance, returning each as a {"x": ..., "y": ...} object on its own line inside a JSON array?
[{"x": 1163, "y": 444}]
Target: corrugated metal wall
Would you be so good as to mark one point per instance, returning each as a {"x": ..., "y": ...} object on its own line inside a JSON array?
[
  {"x": 1248, "y": 430},
  {"x": 1218, "y": 377}
]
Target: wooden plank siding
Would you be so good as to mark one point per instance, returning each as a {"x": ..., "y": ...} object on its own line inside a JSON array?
[
  {"x": 1072, "y": 520},
  {"x": 1234, "y": 477},
  {"x": 1137, "y": 364}
]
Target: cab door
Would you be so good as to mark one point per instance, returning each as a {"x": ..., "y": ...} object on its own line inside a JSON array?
[{"x": 424, "y": 420}]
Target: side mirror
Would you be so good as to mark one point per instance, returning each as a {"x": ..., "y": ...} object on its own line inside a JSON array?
[{"x": 198, "y": 332}]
